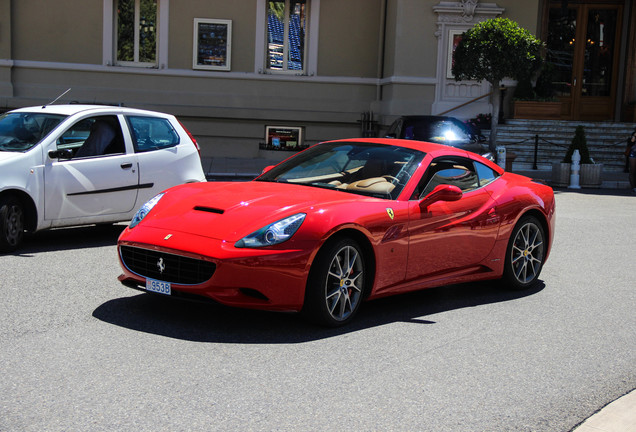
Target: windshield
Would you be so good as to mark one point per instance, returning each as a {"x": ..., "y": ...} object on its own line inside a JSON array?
[
  {"x": 362, "y": 168},
  {"x": 21, "y": 131},
  {"x": 440, "y": 131}
]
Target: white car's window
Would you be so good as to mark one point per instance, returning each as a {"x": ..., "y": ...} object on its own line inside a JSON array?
[
  {"x": 151, "y": 133},
  {"x": 21, "y": 131},
  {"x": 93, "y": 136}
]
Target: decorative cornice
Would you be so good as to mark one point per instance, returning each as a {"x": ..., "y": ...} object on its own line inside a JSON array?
[
  {"x": 465, "y": 11},
  {"x": 469, "y": 8}
]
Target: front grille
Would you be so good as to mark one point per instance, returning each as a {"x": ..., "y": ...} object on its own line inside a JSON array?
[{"x": 166, "y": 267}]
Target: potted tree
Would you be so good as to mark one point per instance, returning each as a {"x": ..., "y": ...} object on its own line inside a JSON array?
[
  {"x": 590, "y": 173},
  {"x": 492, "y": 50}
]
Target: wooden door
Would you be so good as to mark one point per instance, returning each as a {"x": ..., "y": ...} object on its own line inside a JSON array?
[{"x": 583, "y": 51}]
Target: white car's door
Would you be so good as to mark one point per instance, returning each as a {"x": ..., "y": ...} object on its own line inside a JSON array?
[
  {"x": 99, "y": 186},
  {"x": 165, "y": 154}
]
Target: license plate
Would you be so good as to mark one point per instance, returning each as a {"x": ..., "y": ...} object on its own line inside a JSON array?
[{"x": 158, "y": 286}]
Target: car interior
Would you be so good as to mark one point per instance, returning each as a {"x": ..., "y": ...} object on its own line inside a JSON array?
[{"x": 95, "y": 136}]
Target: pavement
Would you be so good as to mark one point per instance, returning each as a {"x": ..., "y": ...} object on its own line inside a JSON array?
[
  {"x": 618, "y": 416},
  {"x": 609, "y": 179}
]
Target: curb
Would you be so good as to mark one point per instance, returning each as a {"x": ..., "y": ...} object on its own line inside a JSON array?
[{"x": 618, "y": 416}]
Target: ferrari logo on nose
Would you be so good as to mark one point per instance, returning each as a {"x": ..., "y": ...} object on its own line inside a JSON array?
[
  {"x": 389, "y": 211},
  {"x": 161, "y": 265}
]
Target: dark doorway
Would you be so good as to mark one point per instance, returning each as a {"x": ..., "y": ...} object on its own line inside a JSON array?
[{"x": 583, "y": 46}]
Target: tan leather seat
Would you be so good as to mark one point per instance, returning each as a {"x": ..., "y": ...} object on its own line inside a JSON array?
[{"x": 372, "y": 185}]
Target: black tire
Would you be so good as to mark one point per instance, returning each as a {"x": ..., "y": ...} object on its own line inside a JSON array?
[
  {"x": 335, "y": 289},
  {"x": 11, "y": 224},
  {"x": 525, "y": 254}
]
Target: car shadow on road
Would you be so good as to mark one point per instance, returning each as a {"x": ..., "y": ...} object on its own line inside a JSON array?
[
  {"x": 213, "y": 323},
  {"x": 80, "y": 237}
]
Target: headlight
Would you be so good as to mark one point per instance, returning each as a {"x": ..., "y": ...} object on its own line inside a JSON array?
[
  {"x": 450, "y": 135},
  {"x": 273, "y": 234},
  {"x": 144, "y": 210}
]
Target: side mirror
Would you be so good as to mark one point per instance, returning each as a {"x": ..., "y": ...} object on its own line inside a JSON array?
[
  {"x": 61, "y": 154},
  {"x": 267, "y": 168},
  {"x": 442, "y": 193}
]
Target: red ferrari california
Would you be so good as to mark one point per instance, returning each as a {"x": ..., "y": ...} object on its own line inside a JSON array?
[{"x": 339, "y": 223}]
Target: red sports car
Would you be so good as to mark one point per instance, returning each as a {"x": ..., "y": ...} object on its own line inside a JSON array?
[{"x": 341, "y": 222}]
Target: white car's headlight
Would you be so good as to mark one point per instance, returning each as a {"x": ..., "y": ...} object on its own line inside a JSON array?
[
  {"x": 273, "y": 234},
  {"x": 144, "y": 210}
]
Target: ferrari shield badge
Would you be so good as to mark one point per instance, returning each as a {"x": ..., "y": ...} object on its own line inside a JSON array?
[{"x": 389, "y": 211}]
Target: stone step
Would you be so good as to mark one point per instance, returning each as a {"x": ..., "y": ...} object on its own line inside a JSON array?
[{"x": 605, "y": 140}]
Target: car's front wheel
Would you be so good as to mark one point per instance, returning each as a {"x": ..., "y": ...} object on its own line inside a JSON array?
[
  {"x": 11, "y": 223},
  {"x": 336, "y": 284},
  {"x": 525, "y": 254}
]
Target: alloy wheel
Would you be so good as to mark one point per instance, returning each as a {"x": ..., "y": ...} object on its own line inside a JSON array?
[
  {"x": 526, "y": 254},
  {"x": 344, "y": 283}
]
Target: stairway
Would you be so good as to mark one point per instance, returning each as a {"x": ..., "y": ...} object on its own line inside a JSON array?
[{"x": 606, "y": 141}]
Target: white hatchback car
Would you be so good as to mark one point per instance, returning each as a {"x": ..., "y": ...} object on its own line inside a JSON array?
[{"x": 64, "y": 165}]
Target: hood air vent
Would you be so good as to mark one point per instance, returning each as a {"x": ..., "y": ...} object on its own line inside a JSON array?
[{"x": 209, "y": 209}]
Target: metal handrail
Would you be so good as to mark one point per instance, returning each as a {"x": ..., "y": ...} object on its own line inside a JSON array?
[
  {"x": 502, "y": 88},
  {"x": 466, "y": 103},
  {"x": 537, "y": 138}
]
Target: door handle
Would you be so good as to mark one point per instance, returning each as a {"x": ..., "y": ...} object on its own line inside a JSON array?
[{"x": 126, "y": 165}]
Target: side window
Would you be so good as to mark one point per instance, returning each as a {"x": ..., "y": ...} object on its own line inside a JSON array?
[
  {"x": 93, "y": 136},
  {"x": 486, "y": 175},
  {"x": 450, "y": 171},
  {"x": 136, "y": 32},
  {"x": 151, "y": 133},
  {"x": 286, "y": 35}
]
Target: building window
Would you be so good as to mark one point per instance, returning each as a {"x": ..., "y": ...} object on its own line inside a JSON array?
[
  {"x": 286, "y": 35},
  {"x": 136, "y": 33}
]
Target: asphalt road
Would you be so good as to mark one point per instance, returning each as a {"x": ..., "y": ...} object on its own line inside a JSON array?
[{"x": 80, "y": 352}]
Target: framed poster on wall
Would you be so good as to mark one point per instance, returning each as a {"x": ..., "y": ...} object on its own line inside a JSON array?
[
  {"x": 284, "y": 137},
  {"x": 212, "y": 44}
]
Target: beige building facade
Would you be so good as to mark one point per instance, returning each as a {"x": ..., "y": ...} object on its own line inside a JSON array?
[{"x": 237, "y": 73}]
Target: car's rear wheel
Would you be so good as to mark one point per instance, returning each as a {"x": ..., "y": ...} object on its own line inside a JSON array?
[
  {"x": 11, "y": 223},
  {"x": 525, "y": 254},
  {"x": 336, "y": 284}
]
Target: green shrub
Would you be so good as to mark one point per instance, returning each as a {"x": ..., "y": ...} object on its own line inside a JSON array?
[{"x": 579, "y": 142}]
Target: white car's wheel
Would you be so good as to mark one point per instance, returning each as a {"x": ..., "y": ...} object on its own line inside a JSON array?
[{"x": 11, "y": 223}]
